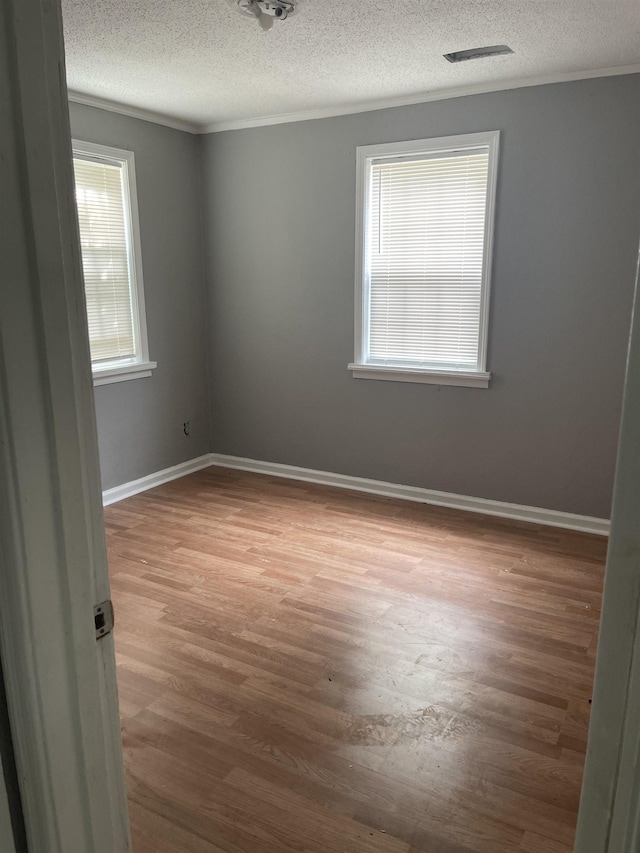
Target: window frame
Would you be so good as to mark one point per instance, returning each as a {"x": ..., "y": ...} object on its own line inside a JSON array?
[
  {"x": 122, "y": 370},
  {"x": 366, "y": 157}
]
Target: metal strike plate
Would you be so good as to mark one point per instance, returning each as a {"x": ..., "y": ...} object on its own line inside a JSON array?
[{"x": 103, "y": 618}]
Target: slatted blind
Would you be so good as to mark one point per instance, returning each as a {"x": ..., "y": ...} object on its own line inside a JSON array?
[
  {"x": 106, "y": 259},
  {"x": 425, "y": 254}
]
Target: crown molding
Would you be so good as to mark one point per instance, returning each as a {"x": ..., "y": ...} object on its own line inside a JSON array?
[
  {"x": 133, "y": 112},
  {"x": 348, "y": 109},
  {"x": 426, "y": 97}
]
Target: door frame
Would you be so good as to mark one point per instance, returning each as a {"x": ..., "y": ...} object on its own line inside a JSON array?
[
  {"x": 60, "y": 681},
  {"x": 609, "y": 817},
  {"x": 7, "y": 839}
]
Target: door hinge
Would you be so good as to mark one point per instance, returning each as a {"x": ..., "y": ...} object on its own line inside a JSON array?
[{"x": 103, "y": 618}]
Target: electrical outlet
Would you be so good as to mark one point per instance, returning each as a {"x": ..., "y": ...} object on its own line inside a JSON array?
[{"x": 186, "y": 428}]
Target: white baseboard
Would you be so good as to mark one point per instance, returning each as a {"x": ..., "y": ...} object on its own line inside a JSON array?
[
  {"x": 126, "y": 490},
  {"x": 549, "y": 517},
  {"x": 535, "y": 515}
]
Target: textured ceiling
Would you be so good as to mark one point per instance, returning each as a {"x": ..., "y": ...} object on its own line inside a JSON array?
[{"x": 203, "y": 62}]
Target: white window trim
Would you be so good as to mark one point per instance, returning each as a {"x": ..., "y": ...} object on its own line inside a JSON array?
[
  {"x": 366, "y": 155},
  {"x": 106, "y": 375},
  {"x": 141, "y": 366}
]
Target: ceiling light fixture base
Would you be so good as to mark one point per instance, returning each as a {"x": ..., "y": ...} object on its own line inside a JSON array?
[{"x": 267, "y": 12}]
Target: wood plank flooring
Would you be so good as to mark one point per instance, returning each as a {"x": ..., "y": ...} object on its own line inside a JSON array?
[{"x": 307, "y": 669}]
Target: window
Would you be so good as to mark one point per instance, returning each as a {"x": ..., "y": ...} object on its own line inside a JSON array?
[
  {"x": 423, "y": 259},
  {"x": 111, "y": 261}
]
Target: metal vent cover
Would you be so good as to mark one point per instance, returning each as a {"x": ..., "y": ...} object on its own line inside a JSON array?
[{"x": 478, "y": 53}]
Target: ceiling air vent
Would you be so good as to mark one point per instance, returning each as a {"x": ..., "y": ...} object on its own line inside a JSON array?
[{"x": 478, "y": 53}]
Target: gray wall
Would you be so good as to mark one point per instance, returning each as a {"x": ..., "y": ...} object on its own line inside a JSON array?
[
  {"x": 280, "y": 258},
  {"x": 140, "y": 422}
]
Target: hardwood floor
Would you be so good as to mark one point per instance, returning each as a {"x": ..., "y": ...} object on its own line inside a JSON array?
[{"x": 313, "y": 670}]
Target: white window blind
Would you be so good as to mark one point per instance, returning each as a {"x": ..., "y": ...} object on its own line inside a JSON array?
[
  {"x": 424, "y": 225},
  {"x": 426, "y": 243},
  {"x": 107, "y": 261}
]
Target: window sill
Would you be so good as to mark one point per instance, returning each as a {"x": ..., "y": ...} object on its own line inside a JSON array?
[
  {"x": 124, "y": 373},
  {"x": 467, "y": 379}
]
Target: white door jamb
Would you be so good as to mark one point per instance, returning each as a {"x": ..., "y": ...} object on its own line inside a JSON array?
[{"x": 60, "y": 681}]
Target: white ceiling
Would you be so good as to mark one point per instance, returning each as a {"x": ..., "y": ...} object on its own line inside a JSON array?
[{"x": 201, "y": 61}]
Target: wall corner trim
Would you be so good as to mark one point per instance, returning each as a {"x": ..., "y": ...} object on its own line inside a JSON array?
[{"x": 484, "y": 506}]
